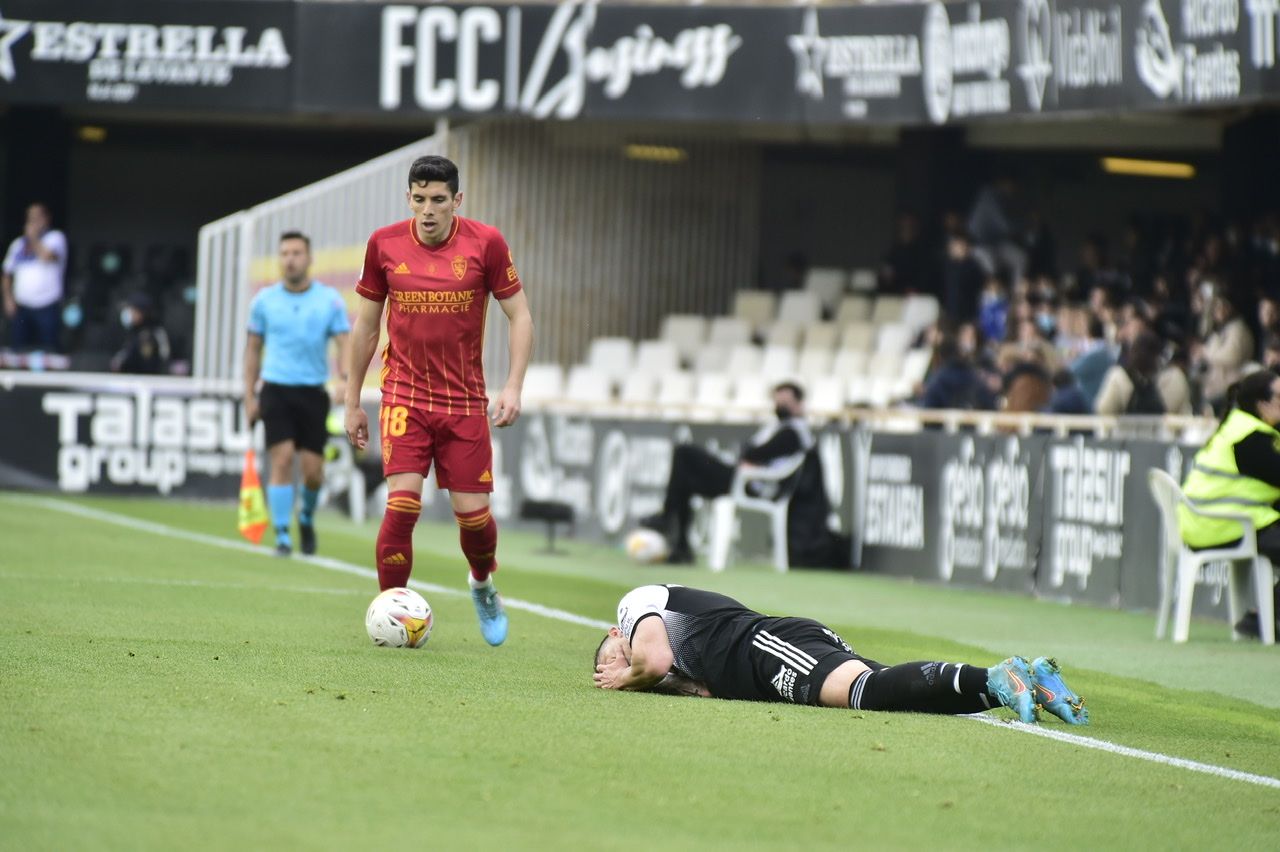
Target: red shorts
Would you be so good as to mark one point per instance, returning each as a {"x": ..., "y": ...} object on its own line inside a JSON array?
[{"x": 458, "y": 444}]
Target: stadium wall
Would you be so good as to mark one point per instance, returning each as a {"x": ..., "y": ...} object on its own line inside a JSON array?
[
  {"x": 1065, "y": 518},
  {"x": 605, "y": 244}
]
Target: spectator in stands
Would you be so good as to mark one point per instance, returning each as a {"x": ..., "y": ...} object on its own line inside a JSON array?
[
  {"x": 1042, "y": 250},
  {"x": 1178, "y": 392},
  {"x": 695, "y": 471},
  {"x": 962, "y": 279},
  {"x": 1027, "y": 385},
  {"x": 906, "y": 265},
  {"x": 1132, "y": 387},
  {"x": 1240, "y": 465},
  {"x": 1095, "y": 359},
  {"x": 1094, "y": 270},
  {"x": 1067, "y": 397},
  {"x": 1268, "y": 322},
  {"x": 955, "y": 382},
  {"x": 34, "y": 268},
  {"x": 994, "y": 230},
  {"x": 1225, "y": 352},
  {"x": 146, "y": 346},
  {"x": 1271, "y": 354},
  {"x": 993, "y": 309}
]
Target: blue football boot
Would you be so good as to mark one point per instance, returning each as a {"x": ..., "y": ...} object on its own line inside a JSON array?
[
  {"x": 1012, "y": 684},
  {"x": 493, "y": 618},
  {"x": 1053, "y": 694}
]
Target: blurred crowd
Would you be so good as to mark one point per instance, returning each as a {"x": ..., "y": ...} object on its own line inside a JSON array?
[
  {"x": 104, "y": 307},
  {"x": 1159, "y": 319}
]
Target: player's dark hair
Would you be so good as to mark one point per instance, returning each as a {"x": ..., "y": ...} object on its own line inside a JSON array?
[
  {"x": 595, "y": 661},
  {"x": 434, "y": 168},
  {"x": 296, "y": 235},
  {"x": 796, "y": 390}
]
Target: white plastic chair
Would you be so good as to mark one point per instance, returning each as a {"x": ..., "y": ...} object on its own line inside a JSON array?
[
  {"x": 712, "y": 359},
  {"x": 783, "y": 333},
  {"x": 729, "y": 331},
  {"x": 800, "y": 306},
  {"x": 853, "y": 309},
  {"x": 863, "y": 280},
  {"x": 888, "y": 309},
  {"x": 1179, "y": 565},
  {"x": 675, "y": 388},
  {"x": 779, "y": 362},
  {"x": 850, "y": 363},
  {"x": 751, "y": 392},
  {"x": 894, "y": 338},
  {"x": 724, "y": 512},
  {"x": 920, "y": 311},
  {"x": 639, "y": 388},
  {"x": 858, "y": 335},
  {"x": 613, "y": 356},
  {"x": 826, "y": 395},
  {"x": 657, "y": 356},
  {"x": 742, "y": 359},
  {"x": 711, "y": 390},
  {"x": 686, "y": 331},
  {"x": 821, "y": 335},
  {"x": 827, "y": 283},
  {"x": 588, "y": 385},
  {"x": 815, "y": 362},
  {"x": 543, "y": 383},
  {"x": 756, "y": 307}
]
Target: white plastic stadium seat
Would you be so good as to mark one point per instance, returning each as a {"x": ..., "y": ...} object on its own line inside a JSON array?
[
  {"x": 711, "y": 359},
  {"x": 613, "y": 356},
  {"x": 815, "y": 362},
  {"x": 800, "y": 306},
  {"x": 724, "y": 512},
  {"x": 858, "y": 335},
  {"x": 656, "y": 356},
  {"x": 849, "y": 363},
  {"x": 885, "y": 365},
  {"x": 755, "y": 307},
  {"x": 543, "y": 383},
  {"x": 828, "y": 284},
  {"x": 825, "y": 395},
  {"x": 821, "y": 335},
  {"x": 894, "y": 338},
  {"x": 779, "y": 363},
  {"x": 711, "y": 390},
  {"x": 639, "y": 388},
  {"x": 743, "y": 359},
  {"x": 915, "y": 365},
  {"x": 920, "y": 311},
  {"x": 687, "y": 331},
  {"x": 853, "y": 309},
  {"x": 675, "y": 388},
  {"x": 887, "y": 309},
  {"x": 588, "y": 385},
  {"x": 783, "y": 333},
  {"x": 863, "y": 280},
  {"x": 858, "y": 391},
  {"x": 1179, "y": 566},
  {"x": 729, "y": 331},
  {"x": 751, "y": 392}
]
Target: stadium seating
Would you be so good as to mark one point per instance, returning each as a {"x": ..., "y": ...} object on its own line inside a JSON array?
[
  {"x": 863, "y": 280},
  {"x": 894, "y": 338},
  {"x": 613, "y": 356},
  {"x": 800, "y": 306},
  {"x": 751, "y": 392},
  {"x": 813, "y": 363},
  {"x": 920, "y": 311},
  {"x": 742, "y": 360},
  {"x": 783, "y": 333},
  {"x": 825, "y": 395},
  {"x": 675, "y": 388},
  {"x": 756, "y": 307},
  {"x": 712, "y": 358},
  {"x": 828, "y": 284},
  {"x": 729, "y": 331},
  {"x": 779, "y": 363},
  {"x": 1251, "y": 573},
  {"x": 888, "y": 309},
  {"x": 639, "y": 388},
  {"x": 849, "y": 362},
  {"x": 821, "y": 335},
  {"x": 588, "y": 385},
  {"x": 711, "y": 390},
  {"x": 656, "y": 356},
  {"x": 860, "y": 336},
  {"x": 853, "y": 309},
  {"x": 687, "y": 332},
  {"x": 543, "y": 383}
]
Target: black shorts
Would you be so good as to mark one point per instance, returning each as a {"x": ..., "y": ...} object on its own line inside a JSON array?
[
  {"x": 295, "y": 413},
  {"x": 792, "y": 657}
]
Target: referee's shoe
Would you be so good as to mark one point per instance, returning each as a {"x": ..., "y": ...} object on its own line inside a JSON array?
[{"x": 307, "y": 538}]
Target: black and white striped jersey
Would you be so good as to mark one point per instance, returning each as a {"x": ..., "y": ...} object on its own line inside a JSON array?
[{"x": 709, "y": 632}]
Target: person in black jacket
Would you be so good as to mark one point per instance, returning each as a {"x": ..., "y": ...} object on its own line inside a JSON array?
[{"x": 696, "y": 471}]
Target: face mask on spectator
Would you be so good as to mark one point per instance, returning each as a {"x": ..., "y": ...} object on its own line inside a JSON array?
[
  {"x": 126, "y": 317},
  {"x": 72, "y": 315},
  {"x": 1046, "y": 323},
  {"x": 782, "y": 412}
]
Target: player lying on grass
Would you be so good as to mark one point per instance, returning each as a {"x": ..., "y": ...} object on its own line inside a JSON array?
[{"x": 686, "y": 641}]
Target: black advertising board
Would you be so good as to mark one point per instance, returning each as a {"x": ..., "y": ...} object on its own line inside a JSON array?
[
  {"x": 196, "y": 55},
  {"x": 910, "y": 63}
]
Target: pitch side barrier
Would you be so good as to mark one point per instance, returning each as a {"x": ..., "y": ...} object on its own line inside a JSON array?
[{"x": 998, "y": 501}]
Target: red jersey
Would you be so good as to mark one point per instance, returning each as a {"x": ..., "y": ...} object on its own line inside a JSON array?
[{"x": 436, "y": 311}]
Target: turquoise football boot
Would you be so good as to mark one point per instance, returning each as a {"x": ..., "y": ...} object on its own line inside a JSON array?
[
  {"x": 493, "y": 618},
  {"x": 1011, "y": 683},
  {"x": 1053, "y": 694}
]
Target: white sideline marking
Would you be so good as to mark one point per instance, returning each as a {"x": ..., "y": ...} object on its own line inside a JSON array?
[
  {"x": 197, "y": 584},
  {"x": 573, "y": 618},
  {"x": 1153, "y": 756},
  {"x": 319, "y": 561}
]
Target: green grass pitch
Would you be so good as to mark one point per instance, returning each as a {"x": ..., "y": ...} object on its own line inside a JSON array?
[{"x": 158, "y": 692}]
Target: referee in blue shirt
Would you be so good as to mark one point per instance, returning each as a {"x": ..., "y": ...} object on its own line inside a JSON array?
[{"x": 295, "y": 319}]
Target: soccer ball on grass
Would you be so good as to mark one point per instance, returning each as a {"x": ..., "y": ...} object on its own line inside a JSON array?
[
  {"x": 399, "y": 618},
  {"x": 647, "y": 546}
]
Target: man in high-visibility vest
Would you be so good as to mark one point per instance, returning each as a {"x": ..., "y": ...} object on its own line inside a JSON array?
[{"x": 1238, "y": 471}]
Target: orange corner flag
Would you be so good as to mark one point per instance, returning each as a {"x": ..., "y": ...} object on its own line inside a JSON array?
[{"x": 253, "y": 506}]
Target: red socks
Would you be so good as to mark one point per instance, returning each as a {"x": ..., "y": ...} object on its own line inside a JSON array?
[
  {"x": 395, "y": 539},
  {"x": 478, "y": 533}
]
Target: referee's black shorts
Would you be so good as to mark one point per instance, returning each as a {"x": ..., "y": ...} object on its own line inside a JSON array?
[
  {"x": 792, "y": 657},
  {"x": 295, "y": 413}
]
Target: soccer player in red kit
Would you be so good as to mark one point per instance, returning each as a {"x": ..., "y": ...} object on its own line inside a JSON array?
[{"x": 435, "y": 273}]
